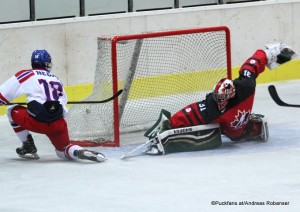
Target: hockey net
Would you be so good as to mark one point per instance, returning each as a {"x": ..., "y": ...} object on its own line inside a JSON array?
[{"x": 160, "y": 70}]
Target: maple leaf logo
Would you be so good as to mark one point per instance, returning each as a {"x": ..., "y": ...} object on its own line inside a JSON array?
[{"x": 240, "y": 119}]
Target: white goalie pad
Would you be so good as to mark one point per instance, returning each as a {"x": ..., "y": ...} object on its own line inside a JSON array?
[{"x": 192, "y": 138}]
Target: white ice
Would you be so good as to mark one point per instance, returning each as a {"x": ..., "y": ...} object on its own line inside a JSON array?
[{"x": 182, "y": 182}]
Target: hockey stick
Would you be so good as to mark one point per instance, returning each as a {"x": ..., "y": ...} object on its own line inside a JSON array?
[
  {"x": 129, "y": 154},
  {"x": 276, "y": 98},
  {"x": 79, "y": 102}
]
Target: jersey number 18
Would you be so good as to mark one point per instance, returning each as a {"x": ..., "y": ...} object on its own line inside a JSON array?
[{"x": 53, "y": 90}]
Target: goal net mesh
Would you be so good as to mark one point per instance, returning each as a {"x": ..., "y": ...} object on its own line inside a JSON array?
[{"x": 156, "y": 71}]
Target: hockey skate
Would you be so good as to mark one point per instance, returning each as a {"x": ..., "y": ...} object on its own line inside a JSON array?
[
  {"x": 85, "y": 154},
  {"x": 28, "y": 149},
  {"x": 257, "y": 128},
  {"x": 262, "y": 122}
]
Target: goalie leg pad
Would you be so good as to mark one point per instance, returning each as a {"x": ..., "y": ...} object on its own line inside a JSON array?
[
  {"x": 196, "y": 138},
  {"x": 161, "y": 124}
]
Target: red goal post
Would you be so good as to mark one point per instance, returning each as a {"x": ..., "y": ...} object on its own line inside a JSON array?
[{"x": 157, "y": 70}]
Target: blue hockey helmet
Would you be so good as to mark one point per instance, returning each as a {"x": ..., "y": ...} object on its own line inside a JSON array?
[{"x": 41, "y": 59}]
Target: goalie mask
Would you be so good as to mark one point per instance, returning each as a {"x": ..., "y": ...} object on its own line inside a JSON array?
[
  {"x": 41, "y": 59},
  {"x": 223, "y": 91}
]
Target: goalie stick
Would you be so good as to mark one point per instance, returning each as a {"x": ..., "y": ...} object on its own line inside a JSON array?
[
  {"x": 133, "y": 152},
  {"x": 276, "y": 98},
  {"x": 80, "y": 102}
]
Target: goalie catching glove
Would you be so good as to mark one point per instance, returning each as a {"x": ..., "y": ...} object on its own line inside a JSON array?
[{"x": 277, "y": 54}]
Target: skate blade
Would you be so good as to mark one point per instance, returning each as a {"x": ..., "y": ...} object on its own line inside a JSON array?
[
  {"x": 97, "y": 157},
  {"x": 100, "y": 158},
  {"x": 31, "y": 156}
]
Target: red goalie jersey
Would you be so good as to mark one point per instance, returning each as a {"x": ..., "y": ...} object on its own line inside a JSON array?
[{"x": 234, "y": 116}]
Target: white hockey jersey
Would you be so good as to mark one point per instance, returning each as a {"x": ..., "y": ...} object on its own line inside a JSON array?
[{"x": 36, "y": 84}]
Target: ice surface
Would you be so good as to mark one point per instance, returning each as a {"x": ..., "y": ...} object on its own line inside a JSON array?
[{"x": 182, "y": 182}]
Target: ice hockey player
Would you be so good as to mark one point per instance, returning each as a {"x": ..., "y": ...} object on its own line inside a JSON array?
[
  {"x": 227, "y": 110},
  {"x": 45, "y": 111}
]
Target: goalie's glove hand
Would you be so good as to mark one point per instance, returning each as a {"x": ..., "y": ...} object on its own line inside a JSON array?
[{"x": 278, "y": 53}]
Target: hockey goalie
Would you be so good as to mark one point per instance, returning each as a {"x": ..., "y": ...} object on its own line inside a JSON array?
[{"x": 227, "y": 110}]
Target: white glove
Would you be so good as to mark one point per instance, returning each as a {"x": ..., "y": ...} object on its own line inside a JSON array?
[{"x": 277, "y": 54}]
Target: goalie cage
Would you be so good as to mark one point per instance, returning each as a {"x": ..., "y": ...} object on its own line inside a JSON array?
[{"x": 160, "y": 70}]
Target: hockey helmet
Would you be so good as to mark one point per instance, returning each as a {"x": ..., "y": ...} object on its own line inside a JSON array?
[
  {"x": 223, "y": 91},
  {"x": 41, "y": 59}
]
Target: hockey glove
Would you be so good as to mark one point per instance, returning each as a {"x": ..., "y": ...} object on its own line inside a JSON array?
[{"x": 277, "y": 54}]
